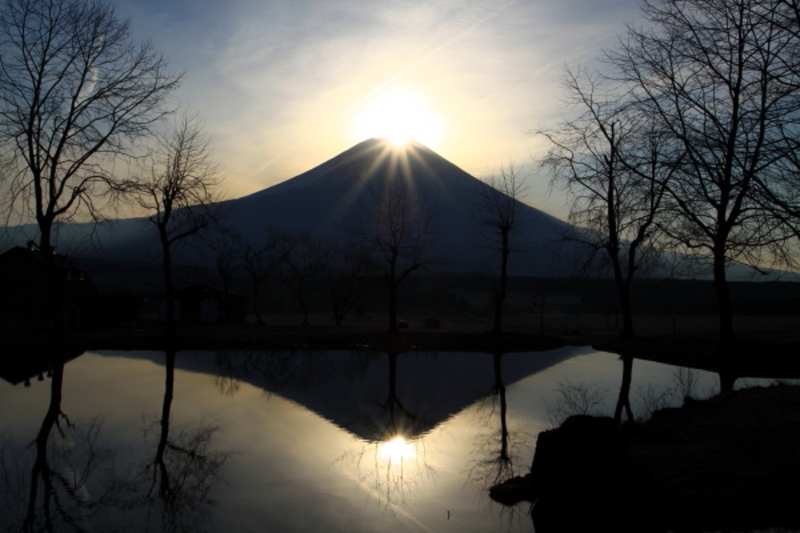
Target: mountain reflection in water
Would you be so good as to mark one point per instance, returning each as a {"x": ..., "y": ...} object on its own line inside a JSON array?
[{"x": 301, "y": 441}]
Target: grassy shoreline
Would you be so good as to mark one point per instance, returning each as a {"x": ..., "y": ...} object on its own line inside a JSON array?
[{"x": 761, "y": 351}]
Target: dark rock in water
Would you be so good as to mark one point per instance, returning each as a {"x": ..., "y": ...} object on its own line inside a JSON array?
[
  {"x": 584, "y": 456},
  {"x": 514, "y": 490},
  {"x": 580, "y": 478},
  {"x": 728, "y": 463}
]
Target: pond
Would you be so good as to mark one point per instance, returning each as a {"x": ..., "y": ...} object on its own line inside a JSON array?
[{"x": 295, "y": 441}]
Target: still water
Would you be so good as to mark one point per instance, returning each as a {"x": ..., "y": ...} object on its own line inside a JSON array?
[{"x": 301, "y": 441}]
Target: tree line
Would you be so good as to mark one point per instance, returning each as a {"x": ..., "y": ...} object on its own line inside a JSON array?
[{"x": 684, "y": 143}]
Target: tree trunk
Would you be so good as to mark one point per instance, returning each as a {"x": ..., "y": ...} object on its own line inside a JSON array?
[
  {"x": 41, "y": 469},
  {"x": 169, "y": 286},
  {"x": 613, "y": 245},
  {"x": 624, "y": 400},
  {"x": 166, "y": 406},
  {"x": 256, "y": 306},
  {"x": 59, "y": 323},
  {"x": 392, "y": 308},
  {"x": 726, "y": 333},
  {"x": 500, "y": 295},
  {"x": 500, "y": 389},
  {"x": 305, "y": 308},
  {"x": 392, "y": 283},
  {"x": 624, "y": 293}
]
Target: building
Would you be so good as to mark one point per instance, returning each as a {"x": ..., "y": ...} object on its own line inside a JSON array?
[{"x": 207, "y": 305}]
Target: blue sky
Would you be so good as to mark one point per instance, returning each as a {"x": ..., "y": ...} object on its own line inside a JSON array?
[{"x": 280, "y": 84}]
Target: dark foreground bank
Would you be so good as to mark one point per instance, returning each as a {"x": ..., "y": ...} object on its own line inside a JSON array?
[{"x": 729, "y": 463}]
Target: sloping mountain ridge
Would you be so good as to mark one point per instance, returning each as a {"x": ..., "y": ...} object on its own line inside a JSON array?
[{"x": 331, "y": 200}]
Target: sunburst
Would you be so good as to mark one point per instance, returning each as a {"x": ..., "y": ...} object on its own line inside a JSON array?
[{"x": 398, "y": 117}]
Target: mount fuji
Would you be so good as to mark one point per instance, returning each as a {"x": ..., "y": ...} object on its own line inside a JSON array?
[{"x": 334, "y": 196}]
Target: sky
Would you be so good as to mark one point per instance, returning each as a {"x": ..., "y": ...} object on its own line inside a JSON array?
[{"x": 284, "y": 85}]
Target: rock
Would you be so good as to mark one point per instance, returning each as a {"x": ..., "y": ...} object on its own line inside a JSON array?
[
  {"x": 512, "y": 491},
  {"x": 581, "y": 479},
  {"x": 584, "y": 455}
]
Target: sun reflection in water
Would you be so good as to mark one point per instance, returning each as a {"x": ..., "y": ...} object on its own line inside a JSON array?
[{"x": 397, "y": 450}]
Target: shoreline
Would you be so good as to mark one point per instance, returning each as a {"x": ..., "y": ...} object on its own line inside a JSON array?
[{"x": 755, "y": 354}]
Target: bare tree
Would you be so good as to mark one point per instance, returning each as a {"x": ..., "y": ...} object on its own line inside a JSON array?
[
  {"x": 350, "y": 280},
  {"x": 610, "y": 162},
  {"x": 75, "y": 92},
  {"x": 720, "y": 78},
  {"x": 260, "y": 262},
  {"x": 181, "y": 190},
  {"x": 305, "y": 259},
  {"x": 399, "y": 233},
  {"x": 495, "y": 214},
  {"x": 228, "y": 250}
]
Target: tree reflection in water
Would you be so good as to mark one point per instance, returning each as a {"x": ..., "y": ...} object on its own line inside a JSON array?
[
  {"x": 71, "y": 482},
  {"x": 499, "y": 452},
  {"x": 186, "y": 470},
  {"x": 77, "y": 484},
  {"x": 494, "y": 457}
]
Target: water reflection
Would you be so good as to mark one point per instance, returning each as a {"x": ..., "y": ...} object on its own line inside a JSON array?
[
  {"x": 360, "y": 392},
  {"x": 286, "y": 441},
  {"x": 494, "y": 461},
  {"x": 396, "y": 451},
  {"x": 373, "y": 395},
  {"x": 43, "y": 476},
  {"x": 186, "y": 470},
  {"x": 498, "y": 450},
  {"x": 76, "y": 482},
  {"x": 72, "y": 480},
  {"x": 167, "y": 481}
]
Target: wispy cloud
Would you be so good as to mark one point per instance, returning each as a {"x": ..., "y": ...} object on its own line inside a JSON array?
[{"x": 279, "y": 82}]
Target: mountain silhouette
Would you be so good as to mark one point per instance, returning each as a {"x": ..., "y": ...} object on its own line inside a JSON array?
[
  {"x": 334, "y": 198},
  {"x": 330, "y": 201}
]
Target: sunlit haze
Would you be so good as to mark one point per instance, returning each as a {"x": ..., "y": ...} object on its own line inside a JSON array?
[
  {"x": 284, "y": 86},
  {"x": 399, "y": 117}
]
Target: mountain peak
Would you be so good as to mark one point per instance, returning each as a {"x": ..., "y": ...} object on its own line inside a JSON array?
[
  {"x": 338, "y": 195},
  {"x": 341, "y": 191},
  {"x": 367, "y": 160}
]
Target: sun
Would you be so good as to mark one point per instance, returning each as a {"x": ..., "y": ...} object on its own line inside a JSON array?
[
  {"x": 397, "y": 450},
  {"x": 398, "y": 117}
]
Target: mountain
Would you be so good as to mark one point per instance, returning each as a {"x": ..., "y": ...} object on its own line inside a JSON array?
[
  {"x": 336, "y": 198},
  {"x": 354, "y": 389},
  {"x": 333, "y": 199}
]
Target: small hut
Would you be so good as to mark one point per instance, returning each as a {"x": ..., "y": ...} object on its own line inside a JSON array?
[{"x": 203, "y": 304}]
